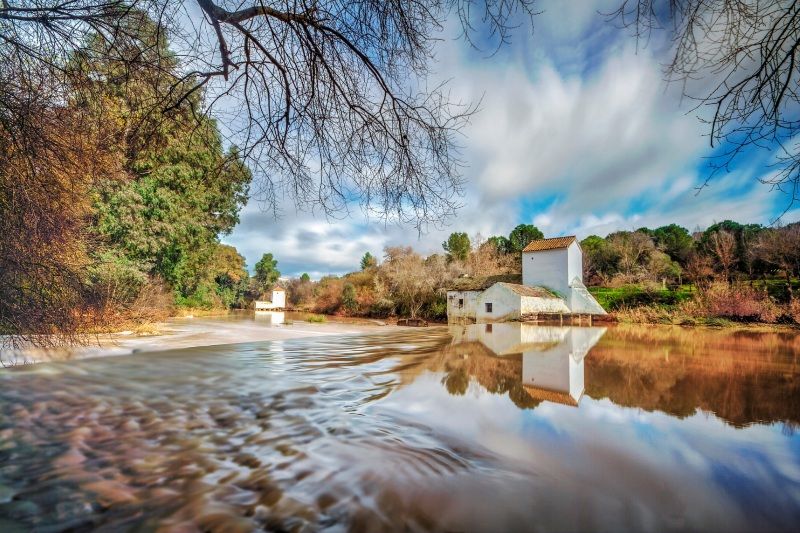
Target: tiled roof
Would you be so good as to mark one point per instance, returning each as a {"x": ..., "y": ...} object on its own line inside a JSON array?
[
  {"x": 549, "y": 244},
  {"x": 479, "y": 284},
  {"x": 550, "y": 395},
  {"x": 278, "y": 289},
  {"x": 525, "y": 290}
]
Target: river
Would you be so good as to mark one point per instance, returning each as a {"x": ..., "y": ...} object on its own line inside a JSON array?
[{"x": 501, "y": 427}]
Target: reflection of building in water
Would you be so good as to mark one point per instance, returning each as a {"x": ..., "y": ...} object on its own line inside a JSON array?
[
  {"x": 270, "y": 317},
  {"x": 552, "y": 357}
]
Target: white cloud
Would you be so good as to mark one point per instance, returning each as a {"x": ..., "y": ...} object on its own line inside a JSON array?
[{"x": 574, "y": 122}]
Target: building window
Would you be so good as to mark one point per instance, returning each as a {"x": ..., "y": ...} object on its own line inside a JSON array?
[
  {"x": 488, "y": 307},
  {"x": 488, "y": 328},
  {"x": 460, "y": 303}
]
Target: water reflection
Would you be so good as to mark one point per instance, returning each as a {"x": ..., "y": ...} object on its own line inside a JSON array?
[
  {"x": 675, "y": 431},
  {"x": 552, "y": 357},
  {"x": 271, "y": 318}
]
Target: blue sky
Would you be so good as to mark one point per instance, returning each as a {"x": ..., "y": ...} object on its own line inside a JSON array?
[{"x": 578, "y": 133}]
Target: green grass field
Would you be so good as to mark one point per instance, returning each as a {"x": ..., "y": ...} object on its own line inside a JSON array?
[
  {"x": 613, "y": 298},
  {"x": 634, "y": 295}
]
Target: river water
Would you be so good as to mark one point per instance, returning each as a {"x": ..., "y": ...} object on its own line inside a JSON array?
[{"x": 502, "y": 427}]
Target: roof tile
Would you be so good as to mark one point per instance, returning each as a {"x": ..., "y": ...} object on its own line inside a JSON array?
[{"x": 549, "y": 244}]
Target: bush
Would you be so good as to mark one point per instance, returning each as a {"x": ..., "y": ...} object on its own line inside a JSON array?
[
  {"x": 318, "y": 319},
  {"x": 794, "y": 310},
  {"x": 382, "y": 308},
  {"x": 739, "y": 302},
  {"x": 349, "y": 301},
  {"x": 627, "y": 296}
]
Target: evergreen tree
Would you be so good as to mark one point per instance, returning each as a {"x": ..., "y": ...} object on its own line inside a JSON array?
[
  {"x": 522, "y": 235},
  {"x": 457, "y": 246},
  {"x": 182, "y": 190},
  {"x": 368, "y": 261},
  {"x": 266, "y": 272}
]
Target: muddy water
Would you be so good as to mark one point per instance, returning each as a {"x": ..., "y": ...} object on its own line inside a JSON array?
[{"x": 479, "y": 428}]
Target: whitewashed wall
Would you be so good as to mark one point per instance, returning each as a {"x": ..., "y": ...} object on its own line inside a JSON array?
[
  {"x": 506, "y": 304},
  {"x": 278, "y": 301},
  {"x": 554, "y": 269},
  {"x": 574, "y": 262},
  {"x": 547, "y": 268},
  {"x": 469, "y": 308}
]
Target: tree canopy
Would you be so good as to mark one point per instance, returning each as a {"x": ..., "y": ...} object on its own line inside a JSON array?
[
  {"x": 267, "y": 272},
  {"x": 522, "y": 235},
  {"x": 368, "y": 261},
  {"x": 457, "y": 246}
]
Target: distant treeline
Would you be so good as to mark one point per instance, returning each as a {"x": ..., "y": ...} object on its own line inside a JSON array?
[{"x": 649, "y": 266}]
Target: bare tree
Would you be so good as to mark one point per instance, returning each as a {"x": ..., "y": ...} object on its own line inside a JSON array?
[
  {"x": 633, "y": 248},
  {"x": 412, "y": 280},
  {"x": 48, "y": 159},
  {"x": 327, "y": 98},
  {"x": 723, "y": 246},
  {"x": 741, "y": 59},
  {"x": 780, "y": 247}
]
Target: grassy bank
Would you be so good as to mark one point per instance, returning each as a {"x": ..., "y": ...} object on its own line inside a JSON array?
[{"x": 719, "y": 304}]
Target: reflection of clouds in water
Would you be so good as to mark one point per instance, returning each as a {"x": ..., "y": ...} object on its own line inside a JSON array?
[
  {"x": 662, "y": 463},
  {"x": 651, "y": 467}
]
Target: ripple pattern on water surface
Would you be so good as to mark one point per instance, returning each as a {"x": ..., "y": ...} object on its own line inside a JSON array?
[
  {"x": 406, "y": 431},
  {"x": 214, "y": 438}
]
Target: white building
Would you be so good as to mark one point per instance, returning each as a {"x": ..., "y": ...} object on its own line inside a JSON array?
[
  {"x": 278, "y": 301},
  {"x": 462, "y": 295},
  {"x": 557, "y": 264},
  {"x": 511, "y": 301},
  {"x": 552, "y": 283}
]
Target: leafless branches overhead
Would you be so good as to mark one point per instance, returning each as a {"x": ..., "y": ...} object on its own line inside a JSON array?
[
  {"x": 740, "y": 58},
  {"x": 327, "y": 98}
]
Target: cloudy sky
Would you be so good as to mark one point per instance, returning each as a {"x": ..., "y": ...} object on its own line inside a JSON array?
[{"x": 577, "y": 134}]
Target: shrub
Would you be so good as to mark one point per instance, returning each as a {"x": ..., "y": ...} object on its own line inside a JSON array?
[
  {"x": 738, "y": 302},
  {"x": 382, "y": 308},
  {"x": 316, "y": 319},
  {"x": 794, "y": 310},
  {"x": 349, "y": 301}
]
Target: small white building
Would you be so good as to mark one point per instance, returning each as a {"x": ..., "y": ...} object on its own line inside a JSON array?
[
  {"x": 557, "y": 264},
  {"x": 511, "y": 301},
  {"x": 278, "y": 301},
  {"x": 552, "y": 283},
  {"x": 462, "y": 303}
]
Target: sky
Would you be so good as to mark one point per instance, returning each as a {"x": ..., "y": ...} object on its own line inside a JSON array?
[{"x": 577, "y": 133}]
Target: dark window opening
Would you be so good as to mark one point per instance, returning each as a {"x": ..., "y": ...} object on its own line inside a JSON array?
[
  {"x": 488, "y": 328},
  {"x": 488, "y": 307},
  {"x": 461, "y": 302}
]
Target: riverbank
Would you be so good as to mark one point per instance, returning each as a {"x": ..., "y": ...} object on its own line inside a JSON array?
[{"x": 190, "y": 332}]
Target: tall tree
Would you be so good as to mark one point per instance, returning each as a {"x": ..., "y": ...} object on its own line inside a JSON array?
[
  {"x": 502, "y": 244},
  {"x": 368, "y": 261},
  {"x": 266, "y": 272},
  {"x": 522, "y": 235},
  {"x": 457, "y": 246},
  {"x": 675, "y": 241},
  {"x": 183, "y": 189}
]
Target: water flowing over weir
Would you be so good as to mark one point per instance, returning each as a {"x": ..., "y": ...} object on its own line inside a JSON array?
[{"x": 430, "y": 429}]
